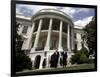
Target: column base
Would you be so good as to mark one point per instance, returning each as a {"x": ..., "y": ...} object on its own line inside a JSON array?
[
  {"x": 69, "y": 54},
  {"x": 40, "y": 67},
  {"x": 46, "y": 49},
  {"x": 60, "y": 49},
  {"x": 32, "y": 50}
]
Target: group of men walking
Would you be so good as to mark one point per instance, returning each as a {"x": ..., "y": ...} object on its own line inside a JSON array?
[{"x": 56, "y": 57}]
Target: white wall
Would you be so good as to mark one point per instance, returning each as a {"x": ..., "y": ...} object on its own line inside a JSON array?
[
  {"x": 5, "y": 38},
  {"x": 79, "y": 41}
]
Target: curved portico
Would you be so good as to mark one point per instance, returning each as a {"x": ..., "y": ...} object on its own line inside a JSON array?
[
  {"x": 51, "y": 24},
  {"x": 50, "y": 30}
]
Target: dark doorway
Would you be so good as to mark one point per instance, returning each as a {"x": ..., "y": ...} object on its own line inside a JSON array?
[{"x": 37, "y": 61}]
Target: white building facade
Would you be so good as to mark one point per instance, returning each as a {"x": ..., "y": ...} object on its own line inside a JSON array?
[{"x": 46, "y": 31}]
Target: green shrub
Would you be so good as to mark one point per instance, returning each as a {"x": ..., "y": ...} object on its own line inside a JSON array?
[
  {"x": 22, "y": 61},
  {"x": 85, "y": 51},
  {"x": 75, "y": 58},
  {"x": 80, "y": 56},
  {"x": 91, "y": 61},
  {"x": 83, "y": 59}
]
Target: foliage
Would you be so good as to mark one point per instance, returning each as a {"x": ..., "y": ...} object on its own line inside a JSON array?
[
  {"x": 83, "y": 59},
  {"x": 74, "y": 50},
  {"x": 91, "y": 61},
  {"x": 75, "y": 57},
  {"x": 90, "y": 36},
  {"x": 22, "y": 60},
  {"x": 85, "y": 51},
  {"x": 80, "y": 56}
]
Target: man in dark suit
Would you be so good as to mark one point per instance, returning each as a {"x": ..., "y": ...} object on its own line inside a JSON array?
[
  {"x": 64, "y": 54},
  {"x": 54, "y": 59}
]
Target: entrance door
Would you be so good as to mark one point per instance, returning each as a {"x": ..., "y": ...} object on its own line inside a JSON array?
[{"x": 37, "y": 61}]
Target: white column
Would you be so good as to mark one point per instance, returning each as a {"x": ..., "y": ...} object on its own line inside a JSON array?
[
  {"x": 37, "y": 36},
  {"x": 28, "y": 41},
  {"x": 47, "y": 46},
  {"x": 41, "y": 61},
  {"x": 60, "y": 49},
  {"x": 68, "y": 45},
  {"x": 60, "y": 37},
  {"x": 72, "y": 36},
  {"x": 68, "y": 38}
]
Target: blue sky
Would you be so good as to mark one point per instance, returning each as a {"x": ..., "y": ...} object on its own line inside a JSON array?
[{"x": 80, "y": 16}]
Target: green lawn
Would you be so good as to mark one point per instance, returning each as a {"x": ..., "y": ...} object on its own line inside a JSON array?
[{"x": 66, "y": 69}]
